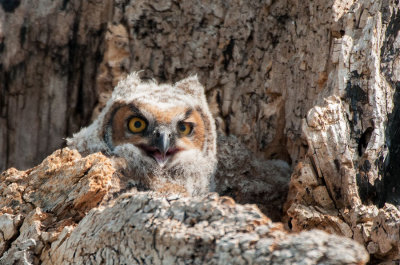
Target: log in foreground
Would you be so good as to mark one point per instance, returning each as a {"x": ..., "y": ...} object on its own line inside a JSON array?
[{"x": 71, "y": 210}]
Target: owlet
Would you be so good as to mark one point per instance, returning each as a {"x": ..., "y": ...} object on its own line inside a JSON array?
[{"x": 163, "y": 133}]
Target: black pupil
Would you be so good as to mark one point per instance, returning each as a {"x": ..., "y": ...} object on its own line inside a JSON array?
[
  {"x": 182, "y": 127},
  {"x": 137, "y": 124}
]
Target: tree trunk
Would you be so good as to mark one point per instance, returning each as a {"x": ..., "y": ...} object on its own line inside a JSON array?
[
  {"x": 310, "y": 82},
  {"x": 348, "y": 182},
  {"x": 62, "y": 58}
]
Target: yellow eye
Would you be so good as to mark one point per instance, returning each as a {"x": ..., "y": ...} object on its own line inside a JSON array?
[
  {"x": 136, "y": 125},
  {"x": 185, "y": 128}
]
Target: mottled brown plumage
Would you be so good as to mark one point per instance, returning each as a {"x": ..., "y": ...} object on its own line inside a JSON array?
[
  {"x": 164, "y": 134},
  {"x": 163, "y": 138}
]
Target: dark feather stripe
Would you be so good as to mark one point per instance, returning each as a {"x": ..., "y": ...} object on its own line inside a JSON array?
[
  {"x": 107, "y": 126},
  {"x": 208, "y": 143}
]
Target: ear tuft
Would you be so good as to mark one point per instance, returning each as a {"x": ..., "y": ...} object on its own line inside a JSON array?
[
  {"x": 127, "y": 84},
  {"x": 191, "y": 86}
]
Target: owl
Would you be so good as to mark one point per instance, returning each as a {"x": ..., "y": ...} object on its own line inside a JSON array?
[{"x": 162, "y": 134}]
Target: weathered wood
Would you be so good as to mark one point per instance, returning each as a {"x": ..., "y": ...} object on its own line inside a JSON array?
[
  {"x": 60, "y": 58},
  {"x": 71, "y": 210},
  {"x": 348, "y": 182},
  {"x": 311, "y": 82},
  {"x": 49, "y": 58}
]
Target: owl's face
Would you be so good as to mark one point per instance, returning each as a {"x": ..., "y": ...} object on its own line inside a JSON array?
[{"x": 163, "y": 132}]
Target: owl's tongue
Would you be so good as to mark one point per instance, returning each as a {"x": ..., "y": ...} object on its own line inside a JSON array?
[{"x": 161, "y": 158}]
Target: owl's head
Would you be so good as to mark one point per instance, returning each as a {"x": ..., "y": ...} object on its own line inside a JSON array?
[{"x": 162, "y": 131}]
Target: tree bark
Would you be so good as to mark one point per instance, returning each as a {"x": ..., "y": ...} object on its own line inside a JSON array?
[
  {"x": 76, "y": 210},
  {"x": 348, "y": 182},
  {"x": 314, "y": 83},
  {"x": 62, "y": 58},
  {"x": 48, "y": 66}
]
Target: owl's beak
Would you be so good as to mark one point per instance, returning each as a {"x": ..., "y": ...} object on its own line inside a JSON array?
[{"x": 162, "y": 142}]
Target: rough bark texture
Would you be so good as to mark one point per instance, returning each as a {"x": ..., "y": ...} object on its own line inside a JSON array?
[
  {"x": 312, "y": 82},
  {"x": 50, "y": 214},
  {"x": 348, "y": 182},
  {"x": 60, "y": 58}
]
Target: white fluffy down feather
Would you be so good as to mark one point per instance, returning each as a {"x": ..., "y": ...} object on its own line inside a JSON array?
[{"x": 192, "y": 169}]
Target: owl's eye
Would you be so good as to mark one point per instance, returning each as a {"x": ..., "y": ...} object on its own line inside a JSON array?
[
  {"x": 137, "y": 125},
  {"x": 185, "y": 128}
]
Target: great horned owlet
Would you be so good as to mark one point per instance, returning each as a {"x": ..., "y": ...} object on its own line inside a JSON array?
[{"x": 164, "y": 133}]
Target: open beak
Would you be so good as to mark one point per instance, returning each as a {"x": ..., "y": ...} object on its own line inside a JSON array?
[
  {"x": 161, "y": 149},
  {"x": 162, "y": 144}
]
